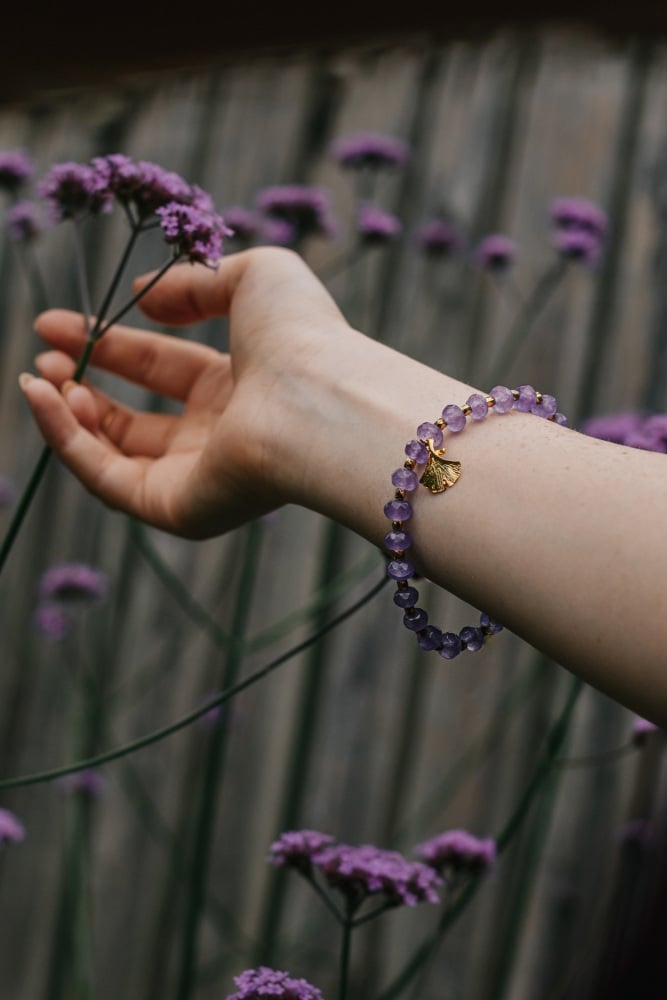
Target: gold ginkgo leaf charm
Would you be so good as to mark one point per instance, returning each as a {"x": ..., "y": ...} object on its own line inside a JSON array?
[{"x": 440, "y": 473}]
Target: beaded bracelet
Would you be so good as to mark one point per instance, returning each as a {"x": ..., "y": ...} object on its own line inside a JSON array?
[{"x": 441, "y": 474}]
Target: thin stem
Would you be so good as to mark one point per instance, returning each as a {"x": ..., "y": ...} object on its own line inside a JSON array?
[
  {"x": 593, "y": 759},
  {"x": 326, "y": 899},
  {"x": 212, "y": 782},
  {"x": 135, "y": 298},
  {"x": 82, "y": 276},
  {"x": 426, "y": 950},
  {"x": 120, "y": 270},
  {"x": 40, "y": 299},
  {"x": 372, "y": 914},
  {"x": 187, "y": 720},
  {"x": 533, "y": 307},
  {"x": 344, "y": 966}
]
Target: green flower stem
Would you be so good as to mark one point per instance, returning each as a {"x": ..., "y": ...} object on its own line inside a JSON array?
[
  {"x": 372, "y": 914},
  {"x": 213, "y": 772},
  {"x": 187, "y": 720},
  {"x": 345, "y": 949},
  {"x": 326, "y": 899},
  {"x": 36, "y": 284},
  {"x": 555, "y": 741},
  {"x": 82, "y": 277},
  {"x": 528, "y": 315}
]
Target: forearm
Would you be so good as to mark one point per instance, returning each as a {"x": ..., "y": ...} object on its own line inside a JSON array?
[{"x": 559, "y": 536}]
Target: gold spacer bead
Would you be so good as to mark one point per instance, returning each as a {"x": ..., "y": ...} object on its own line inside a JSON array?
[
  {"x": 440, "y": 423},
  {"x": 399, "y": 495},
  {"x": 490, "y": 401},
  {"x": 466, "y": 410},
  {"x": 399, "y": 553},
  {"x": 538, "y": 397},
  {"x": 401, "y": 584},
  {"x": 396, "y": 525},
  {"x": 409, "y": 463},
  {"x": 515, "y": 393}
]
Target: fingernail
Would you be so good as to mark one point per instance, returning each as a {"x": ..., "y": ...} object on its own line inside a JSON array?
[
  {"x": 24, "y": 378},
  {"x": 67, "y": 386}
]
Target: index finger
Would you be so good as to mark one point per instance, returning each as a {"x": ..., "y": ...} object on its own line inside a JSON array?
[{"x": 165, "y": 364}]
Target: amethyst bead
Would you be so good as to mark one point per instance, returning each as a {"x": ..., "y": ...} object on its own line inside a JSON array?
[
  {"x": 397, "y": 541},
  {"x": 400, "y": 569},
  {"x": 417, "y": 451},
  {"x": 406, "y": 598},
  {"x": 488, "y": 625},
  {"x": 398, "y": 510},
  {"x": 546, "y": 408},
  {"x": 430, "y": 638},
  {"x": 415, "y": 619},
  {"x": 454, "y": 417},
  {"x": 472, "y": 638},
  {"x": 478, "y": 407},
  {"x": 560, "y": 418},
  {"x": 451, "y": 646},
  {"x": 503, "y": 397},
  {"x": 526, "y": 400},
  {"x": 404, "y": 479},
  {"x": 428, "y": 430}
]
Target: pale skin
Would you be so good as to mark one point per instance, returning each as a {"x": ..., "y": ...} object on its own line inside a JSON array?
[{"x": 559, "y": 536}]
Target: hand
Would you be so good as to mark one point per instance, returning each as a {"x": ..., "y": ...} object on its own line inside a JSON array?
[{"x": 217, "y": 463}]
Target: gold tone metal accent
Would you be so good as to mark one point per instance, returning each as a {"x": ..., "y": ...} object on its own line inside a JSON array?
[
  {"x": 538, "y": 397},
  {"x": 396, "y": 525},
  {"x": 515, "y": 393},
  {"x": 440, "y": 422},
  {"x": 399, "y": 495},
  {"x": 490, "y": 401},
  {"x": 409, "y": 463},
  {"x": 466, "y": 410},
  {"x": 440, "y": 473}
]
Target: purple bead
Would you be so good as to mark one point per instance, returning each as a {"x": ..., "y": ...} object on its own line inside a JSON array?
[
  {"x": 415, "y": 619},
  {"x": 526, "y": 400},
  {"x": 430, "y": 638},
  {"x": 400, "y": 569},
  {"x": 417, "y": 451},
  {"x": 546, "y": 408},
  {"x": 428, "y": 430},
  {"x": 407, "y": 597},
  {"x": 398, "y": 510},
  {"x": 454, "y": 417},
  {"x": 397, "y": 541},
  {"x": 503, "y": 397},
  {"x": 478, "y": 407},
  {"x": 451, "y": 646},
  {"x": 404, "y": 479},
  {"x": 488, "y": 625},
  {"x": 560, "y": 418},
  {"x": 472, "y": 638}
]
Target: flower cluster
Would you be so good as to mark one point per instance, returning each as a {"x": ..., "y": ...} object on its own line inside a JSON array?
[
  {"x": 196, "y": 234},
  {"x": 370, "y": 149},
  {"x": 61, "y": 589},
  {"x": 375, "y": 226},
  {"x": 640, "y": 730},
  {"x": 495, "y": 253},
  {"x": 460, "y": 851},
  {"x": 12, "y": 830},
  {"x": 16, "y": 168},
  {"x": 357, "y": 872},
  {"x": 304, "y": 208},
  {"x": 637, "y": 430},
  {"x": 253, "y": 984},
  {"x": 580, "y": 229},
  {"x": 438, "y": 238},
  {"x": 24, "y": 222}
]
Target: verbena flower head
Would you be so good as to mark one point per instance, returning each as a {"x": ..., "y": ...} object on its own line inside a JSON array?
[
  {"x": 254, "y": 984},
  {"x": 72, "y": 581},
  {"x": 297, "y": 848},
  {"x": 12, "y": 830},
  {"x": 459, "y": 850},
  {"x": 52, "y": 621},
  {"x": 24, "y": 222},
  {"x": 637, "y": 430},
  {"x": 196, "y": 234},
  {"x": 71, "y": 190},
  {"x": 579, "y": 214},
  {"x": 578, "y": 245},
  {"x": 640, "y": 730},
  {"x": 438, "y": 238},
  {"x": 244, "y": 224},
  {"x": 278, "y": 232},
  {"x": 305, "y": 207},
  {"x": 363, "y": 871},
  {"x": 370, "y": 149},
  {"x": 495, "y": 252},
  {"x": 7, "y": 492},
  {"x": 375, "y": 226},
  {"x": 16, "y": 168},
  {"x": 87, "y": 782},
  {"x": 157, "y": 187}
]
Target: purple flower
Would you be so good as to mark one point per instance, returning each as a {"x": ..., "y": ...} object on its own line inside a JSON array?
[
  {"x": 243, "y": 223},
  {"x": 23, "y": 221},
  {"x": 579, "y": 214},
  {"x": 196, "y": 234},
  {"x": 157, "y": 187},
  {"x": 278, "y": 232},
  {"x": 495, "y": 252},
  {"x": 73, "y": 189},
  {"x": 72, "y": 581},
  {"x": 306, "y": 208},
  {"x": 458, "y": 850},
  {"x": 640, "y": 730},
  {"x": 370, "y": 149},
  {"x": 254, "y": 984},
  {"x": 88, "y": 783},
  {"x": 297, "y": 848},
  {"x": 53, "y": 621},
  {"x": 7, "y": 492},
  {"x": 636, "y": 430},
  {"x": 363, "y": 871},
  {"x": 16, "y": 168},
  {"x": 578, "y": 244},
  {"x": 12, "y": 830},
  {"x": 376, "y": 226},
  {"x": 438, "y": 238}
]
